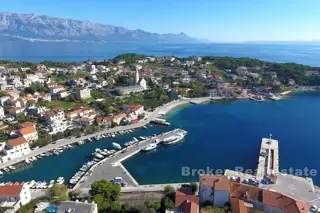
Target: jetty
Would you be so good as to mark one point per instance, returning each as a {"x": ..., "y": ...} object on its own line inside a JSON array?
[
  {"x": 268, "y": 165},
  {"x": 112, "y": 167}
]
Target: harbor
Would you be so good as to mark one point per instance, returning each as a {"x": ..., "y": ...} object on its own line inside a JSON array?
[
  {"x": 111, "y": 168},
  {"x": 214, "y": 131}
]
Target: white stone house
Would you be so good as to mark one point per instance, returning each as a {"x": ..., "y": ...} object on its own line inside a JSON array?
[
  {"x": 54, "y": 115},
  {"x": 15, "y": 148},
  {"x": 83, "y": 93},
  {"x": 14, "y": 196},
  {"x": 215, "y": 189}
]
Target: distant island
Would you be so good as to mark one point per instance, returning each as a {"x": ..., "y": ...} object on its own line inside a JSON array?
[{"x": 43, "y": 28}]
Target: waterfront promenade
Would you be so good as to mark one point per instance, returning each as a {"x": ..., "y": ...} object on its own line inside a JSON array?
[
  {"x": 149, "y": 117},
  {"x": 111, "y": 167}
]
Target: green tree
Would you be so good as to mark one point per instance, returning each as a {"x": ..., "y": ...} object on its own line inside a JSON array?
[
  {"x": 109, "y": 191},
  {"x": 156, "y": 205},
  {"x": 168, "y": 190},
  {"x": 59, "y": 192},
  {"x": 23, "y": 118},
  {"x": 43, "y": 140},
  {"x": 168, "y": 203},
  {"x": 74, "y": 193},
  {"x": 114, "y": 207}
]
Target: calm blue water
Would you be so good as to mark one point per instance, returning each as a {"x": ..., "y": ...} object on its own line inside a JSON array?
[
  {"x": 223, "y": 135},
  {"x": 40, "y": 51}
]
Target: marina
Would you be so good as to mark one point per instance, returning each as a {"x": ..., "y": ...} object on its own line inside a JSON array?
[{"x": 111, "y": 167}]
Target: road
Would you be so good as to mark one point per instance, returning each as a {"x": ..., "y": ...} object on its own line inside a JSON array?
[{"x": 144, "y": 122}]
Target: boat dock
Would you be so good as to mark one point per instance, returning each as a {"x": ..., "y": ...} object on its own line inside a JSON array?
[
  {"x": 268, "y": 159},
  {"x": 111, "y": 167}
]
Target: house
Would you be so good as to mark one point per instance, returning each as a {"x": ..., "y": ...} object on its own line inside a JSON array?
[
  {"x": 63, "y": 94},
  {"x": 186, "y": 201},
  {"x": 41, "y": 67},
  {"x": 77, "y": 207},
  {"x": 118, "y": 118},
  {"x": 291, "y": 82},
  {"x": 129, "y": 89},
  {"x": 227, "y": 91},
  {"x": 104, "y": 120},
  {"x": 85, "y": 121},
  {"x": 137, "y": 109},
  {"x": 59, "y": 126},
  {"x": 15, "y": 148},
  {"x": 29, "y": 132},
  {"x": 212, "y": 93},
  {"x": 54, "y": 115},
  {"x": 45, "y": 96},
  {"x": 83, "y": 93},
  {"x": 242, "y": 71},
  {"x": 215, "y": 189},
  {"x": 1, "y": 112},
  {"x": 245, "y": 198},
  {"x": 14, "y": 196},
  {"x": 57, "y": 89},
  {"x": 275, "y": 82}
]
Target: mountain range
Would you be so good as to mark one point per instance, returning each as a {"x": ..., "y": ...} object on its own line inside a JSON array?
[{"x": 43, "y": 28}]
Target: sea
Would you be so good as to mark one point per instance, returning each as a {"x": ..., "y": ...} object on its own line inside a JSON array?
[
  {"x": 221, "y": 135},
  {"x": 20, "y": 50}
]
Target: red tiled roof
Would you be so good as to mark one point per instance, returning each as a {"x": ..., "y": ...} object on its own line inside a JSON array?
[
  {"x": 26, "y": 124},
  {"x": 11, "y": 190},
  {"x": 187, "y": 202},
  {"x": 18, "y": 141},
  {"x": 218, "y": 182},
  {"x": 27, "y": 130}
]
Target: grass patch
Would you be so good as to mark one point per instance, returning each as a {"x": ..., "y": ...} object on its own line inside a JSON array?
[{"x": 62, "y": 104}]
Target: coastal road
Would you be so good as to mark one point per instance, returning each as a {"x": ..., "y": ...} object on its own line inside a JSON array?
[{"x": 165, "y": 108}]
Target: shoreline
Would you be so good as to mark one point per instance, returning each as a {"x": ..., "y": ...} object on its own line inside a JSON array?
[{"x": 63, "y": 142}]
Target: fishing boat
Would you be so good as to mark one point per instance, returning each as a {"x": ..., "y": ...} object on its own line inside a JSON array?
[
  {"x": 174, "y": 138},
  {"x": 116, "y": 146},
  {"x": 149, "y": 147}
]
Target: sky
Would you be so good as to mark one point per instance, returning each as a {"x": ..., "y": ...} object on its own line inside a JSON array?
[{"x": 215, "y": 20}]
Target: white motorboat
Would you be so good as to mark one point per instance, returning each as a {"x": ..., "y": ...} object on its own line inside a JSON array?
[
  {"x": 173, "y": 139},
  {"x": 27, "y": 161},
  {"x": 116, "y": 146},
  {"x": 149, "y": 147}
]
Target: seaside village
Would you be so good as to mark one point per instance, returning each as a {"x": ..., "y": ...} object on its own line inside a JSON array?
[{"x": 42, "y": 104}]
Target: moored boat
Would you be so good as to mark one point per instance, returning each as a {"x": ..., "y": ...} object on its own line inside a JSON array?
[
  {"x": 116, "y": 146},
  {"x": 174, "y": 138},
  {"x": 149, "y": 147}
]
